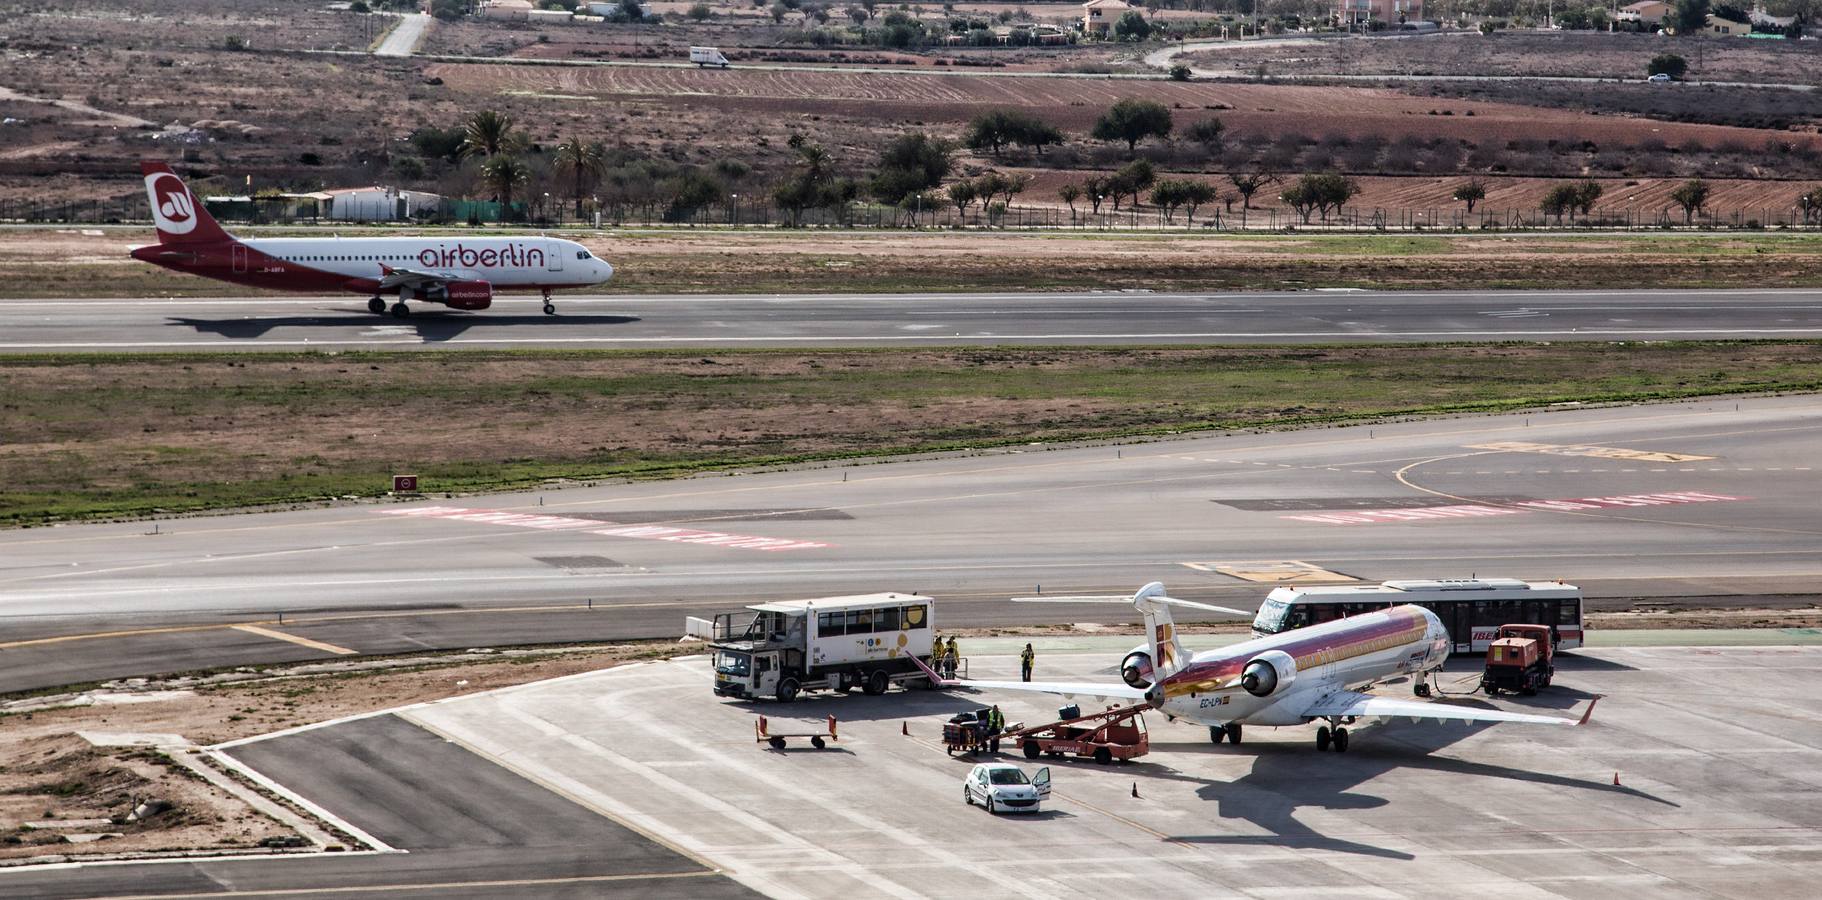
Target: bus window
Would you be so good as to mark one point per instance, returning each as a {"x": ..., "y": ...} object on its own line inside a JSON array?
[
  {"x": 1323, "y": 612},
  {"x": 829, "y": 625},
  {"x": 913, "y": 617},
  {"x": 1298, "y": 618},
  {"x": 1568, "y": 612},
  {"x": 1484, "y": 613},
  {"x": 885, "y": 619}
]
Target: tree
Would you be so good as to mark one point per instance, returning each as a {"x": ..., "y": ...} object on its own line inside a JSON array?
[
  {"x": 1167, "y": 196},
  {"x": 1094, "y": 190},
  {"x": 1246, "y": 184},
  {"x": 1731, "y": 13},
  {"x": 813, "y": 184},
  {"x": 1667, "y": 64},
  {"x": 701, "y": 11},
  {"x": 1132, "y": 26},
  {"x": 490, "y": 134},
  {"x": 1208, "y": 132},
  {"x": 1132, "y": 121},
  {"x": 503, "y": 175},
  {"x": 1587, "y": 193},
  {"x": 583, "y": 164},
  {"x": 1559, "y": 201},
  {"x": 1691, "y": 195},
  {"x": 1195, "y": 194},
  {"x": 1811, "y": 205},
  {"x": 1689, "y": 16},
  {"x": 1324, "y": 193},
  {"x": 690, "y": 192},
  {"x": 911, "y": 164},
  {"x": 1069, "y": 193},
  {"x": 1133, "y": 178},
  {"x": 961, "y": 193},
  {"x": 449, "y": 10},
  {"x": 1470, "y": 192},
  {"x": 1179, "y": 72},
  {"x": 993, "y": 130}
]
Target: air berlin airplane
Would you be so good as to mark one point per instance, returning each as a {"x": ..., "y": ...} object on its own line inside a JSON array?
[
  {"x": 1292, "y": 678},
  {"x": 459, "y": 272}
]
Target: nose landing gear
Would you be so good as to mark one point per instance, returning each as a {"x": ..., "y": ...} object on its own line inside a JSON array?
[{"x": 550, "y": 309}]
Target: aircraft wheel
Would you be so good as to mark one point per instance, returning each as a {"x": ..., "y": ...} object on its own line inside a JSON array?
[
  {"x": 1341, "y": 740},
  {"x": 400, "y": 310},
  {"x": 1233, "y": 732},
  {"x": 376, "y": 306},
  {"x": 1322, "y": 738},
  {"x": 1216, "y": 733},
  {"x": 550, "y": 309},
  {"x": 1421, "y": 689}
]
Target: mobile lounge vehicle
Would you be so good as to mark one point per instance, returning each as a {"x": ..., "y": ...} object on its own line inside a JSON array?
[
  {"x": 834, "y": 643},
  {"x": 1471, "y": 609}
]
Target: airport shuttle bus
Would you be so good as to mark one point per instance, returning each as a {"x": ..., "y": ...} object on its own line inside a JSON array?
[
  {"x": 1472, "y": 609},
  {"x": 832, "y": 644}
]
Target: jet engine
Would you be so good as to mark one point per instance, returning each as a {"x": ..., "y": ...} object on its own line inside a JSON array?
[
  {"x": 1269, "y": 673},
  {"x": 462, "y": 294},
  {"x": 1136, "y": 670}
]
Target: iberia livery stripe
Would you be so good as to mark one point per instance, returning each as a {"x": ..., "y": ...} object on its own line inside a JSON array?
[{"x": 669, "y": 533}]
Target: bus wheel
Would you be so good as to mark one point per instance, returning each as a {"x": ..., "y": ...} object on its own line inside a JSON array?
[{"x": 876, "y": 682}]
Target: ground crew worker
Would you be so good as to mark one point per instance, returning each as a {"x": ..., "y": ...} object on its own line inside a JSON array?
[
  {"x": 953, "y": 657},
  {"x": 936, "y": 654},
  {"x": 1025, "y": 659},
  {"x": 996, "y": 723}
]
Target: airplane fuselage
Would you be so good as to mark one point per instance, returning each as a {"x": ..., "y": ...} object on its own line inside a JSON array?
[
  {"x": 359, "y": 264},
  {"x": 1334, "y": 656}
]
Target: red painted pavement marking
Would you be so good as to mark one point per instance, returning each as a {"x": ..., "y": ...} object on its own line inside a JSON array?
[
  {"x": 644, "y": 532},
  {"x": 1471, "y": 511}
]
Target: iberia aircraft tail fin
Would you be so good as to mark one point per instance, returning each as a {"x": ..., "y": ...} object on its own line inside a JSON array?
[
  {"x": 178, "y": 215},
  {"x": 1167, "y": 655}
]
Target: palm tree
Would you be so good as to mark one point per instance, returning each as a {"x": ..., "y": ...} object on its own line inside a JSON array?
[
  {"x": 502, "y": 174},
  {"x": 490, "y": 134},
  {"x": 583, "y": 164}
]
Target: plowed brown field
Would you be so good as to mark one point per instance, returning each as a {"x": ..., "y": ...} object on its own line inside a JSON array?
[{"x": 1074, "y": 103}]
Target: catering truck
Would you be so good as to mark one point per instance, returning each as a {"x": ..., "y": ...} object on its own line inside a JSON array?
[{"x": 781, "y": 649}]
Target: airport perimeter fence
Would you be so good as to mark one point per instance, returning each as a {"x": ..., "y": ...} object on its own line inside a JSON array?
[{"x": 868, "y": 216}]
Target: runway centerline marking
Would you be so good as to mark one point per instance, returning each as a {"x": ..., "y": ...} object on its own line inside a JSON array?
[{"x": 295, "y": 639}]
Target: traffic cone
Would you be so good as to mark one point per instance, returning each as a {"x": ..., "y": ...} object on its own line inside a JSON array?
[
  {"x": 1135, "y": 789},
  {"x": 904, "y": 728},
  {"x": 1616, "y": 779}
]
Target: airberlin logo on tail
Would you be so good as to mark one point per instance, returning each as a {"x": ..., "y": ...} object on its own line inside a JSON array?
[
  {"x": 511, "y": 255},
  {"x": 172, "y": 207}
]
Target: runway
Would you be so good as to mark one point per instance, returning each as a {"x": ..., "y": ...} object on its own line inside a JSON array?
[
  {"x": 1714, "y": 500},
  {"x": 911, "y": 320}
]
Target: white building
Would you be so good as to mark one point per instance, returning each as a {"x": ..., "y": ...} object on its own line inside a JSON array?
[{"x": 374, "y": 204}]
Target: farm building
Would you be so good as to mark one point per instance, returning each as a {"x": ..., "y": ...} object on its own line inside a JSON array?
[
  {"x": 1645, "y": 12},
  {"x": 507, "y": 9},
  {"x": 1389, "y": 11},
  {"x": 1728, "y": 27},
  {"x": 374, "y": 204},
  {"x": 1098, "y": 16}
]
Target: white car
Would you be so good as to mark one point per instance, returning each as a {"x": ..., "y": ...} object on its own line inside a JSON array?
[
  {"x": 1003, "y": 787},
  {"x": 1660, "y": 78}
]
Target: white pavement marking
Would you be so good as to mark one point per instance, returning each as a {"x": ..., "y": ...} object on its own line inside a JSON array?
[{"x": 228, "y": 762}]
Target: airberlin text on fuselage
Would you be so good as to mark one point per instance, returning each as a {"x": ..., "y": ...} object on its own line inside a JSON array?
[{"x": 511, "y": 255}]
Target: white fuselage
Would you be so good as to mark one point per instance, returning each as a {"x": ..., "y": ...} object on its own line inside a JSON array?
[{"x": 505, "y": 262}]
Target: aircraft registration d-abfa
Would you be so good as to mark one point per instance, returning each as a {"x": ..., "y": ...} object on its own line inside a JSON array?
[{"x": 1294, "y": 678}]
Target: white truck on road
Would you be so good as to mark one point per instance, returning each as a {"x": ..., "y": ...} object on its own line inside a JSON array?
[
  {"x": 830, "y": 644},
  {"x": 707, "y": 56}
]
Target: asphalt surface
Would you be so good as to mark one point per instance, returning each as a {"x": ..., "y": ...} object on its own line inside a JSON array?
[
  {"x": 910, "y": 320},
  {"x": 467, "y": 828},
  {"x": 403, "y": 39},
  {"x": 1406, "y": 500}
]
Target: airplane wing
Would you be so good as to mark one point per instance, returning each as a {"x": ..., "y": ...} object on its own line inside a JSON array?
[
  {"x": 1354, "y": 703},
  {"x": 1065, "y": 689},
  {"x": 391, "y": 277}
]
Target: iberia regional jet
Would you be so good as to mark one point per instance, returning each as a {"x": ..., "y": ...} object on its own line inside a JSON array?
[
  {"x": 460, "y": 272},
  {"x": 1292, "y": 678}
]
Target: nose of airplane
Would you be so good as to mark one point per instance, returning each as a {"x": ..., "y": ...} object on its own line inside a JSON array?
[{"x": 605, "y": 269}]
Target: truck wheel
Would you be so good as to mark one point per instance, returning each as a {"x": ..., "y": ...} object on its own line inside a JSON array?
[
  {"x": 1489, "y": 688},
  {"x": 787, "y": 690},
  {"x": 1032, "y": 750},
  {"x": 1103, "y": 756},
  {"x": 876, "y": 683}
]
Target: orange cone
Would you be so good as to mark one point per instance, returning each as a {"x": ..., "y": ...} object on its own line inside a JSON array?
[
  {"x": 904, "y": 728},
  {"x": 1616, "y": 779},
  {"x": 1135, "y": 789}
]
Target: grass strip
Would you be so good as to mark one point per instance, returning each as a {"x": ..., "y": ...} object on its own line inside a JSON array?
[{"x": 85, "y": 436}]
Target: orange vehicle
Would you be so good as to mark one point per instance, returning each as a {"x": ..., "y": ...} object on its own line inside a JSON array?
[
  {"x": 1521, "y": 658},
  {"x": 1104, "y": 736}
]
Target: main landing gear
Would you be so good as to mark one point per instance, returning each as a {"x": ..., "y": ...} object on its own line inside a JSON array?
[
  {"x": 550, "y": 309},
  {"x": 400, "y": 310},
  {"x": 1336, "y": 737},
  {"x": 376, "y": 305},
  {"x": 1230, "y": 731}
]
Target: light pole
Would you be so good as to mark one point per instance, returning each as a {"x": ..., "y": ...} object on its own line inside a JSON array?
[{"x": 734, "y": 214}]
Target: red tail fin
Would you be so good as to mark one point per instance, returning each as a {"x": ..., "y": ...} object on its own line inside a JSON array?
[{"x": 178, "y": 215}]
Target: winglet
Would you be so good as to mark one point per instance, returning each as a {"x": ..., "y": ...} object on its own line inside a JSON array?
[
  {"x": 1590, "y": 710},
  {"x": 935, "y": 679}
]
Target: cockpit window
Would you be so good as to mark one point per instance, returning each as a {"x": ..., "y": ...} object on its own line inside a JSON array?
[{"x": 581, "y": 254}]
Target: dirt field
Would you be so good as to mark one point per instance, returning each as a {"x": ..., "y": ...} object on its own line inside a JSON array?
[
  {"x": 1587, "y": 54},
  {"x": 100, "y": 436}
]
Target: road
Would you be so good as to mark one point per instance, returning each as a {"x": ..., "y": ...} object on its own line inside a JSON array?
[
  {"x": 887, "y": 320},
  {"x": 1714, "y": 501},
  {"x": 403, "y": 39}
]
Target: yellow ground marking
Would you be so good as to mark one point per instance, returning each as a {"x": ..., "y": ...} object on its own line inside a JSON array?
[
  {"x": 1288, "y": 571},
  {"x": 422, "y": 886},
  {"x": 1588, "y": 450},
  {"x": 300, "y": 641},
  {"x": 135, "y": 632}
]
